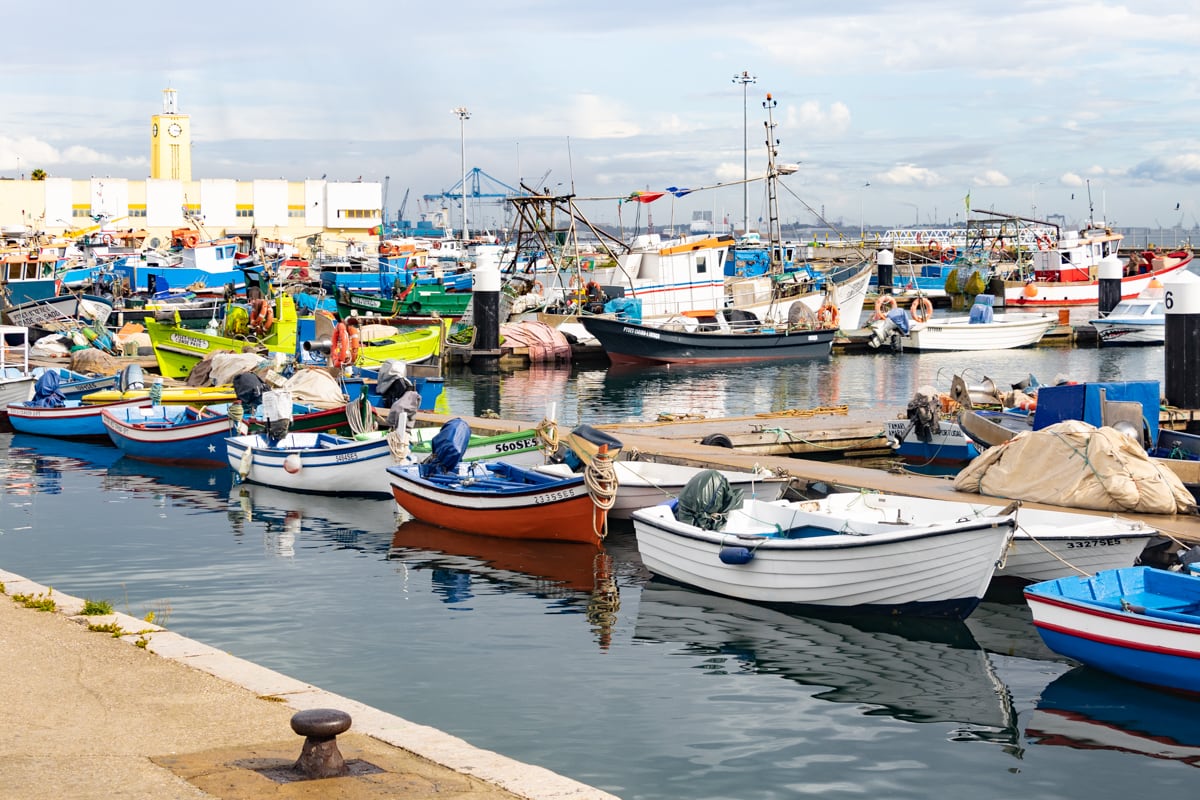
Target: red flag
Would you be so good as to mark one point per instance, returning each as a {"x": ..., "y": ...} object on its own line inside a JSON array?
[{"x": 645, "y": 197}]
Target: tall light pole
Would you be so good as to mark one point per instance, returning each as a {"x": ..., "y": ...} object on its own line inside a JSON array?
[
  {"x": 745, "y": 79},
  {"x": 862, "y": 213},
  {"x": 463, "y": 116}
]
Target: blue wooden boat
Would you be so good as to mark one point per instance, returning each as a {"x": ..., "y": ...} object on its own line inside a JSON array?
[
  {"x": 74, "y": 385},
  {"x": 73, "y": 419},
  {"x": 1138, "y": 623},
  {"x": 191, "y": 434}
]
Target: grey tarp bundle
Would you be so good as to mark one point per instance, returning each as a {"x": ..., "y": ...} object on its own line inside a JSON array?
[
  {"x": 1076, "y": 465},
  {"x": 706, "y": 501}
]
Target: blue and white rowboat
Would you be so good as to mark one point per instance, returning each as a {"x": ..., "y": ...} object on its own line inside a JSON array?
[
  {"x": 1138, "y": 623},
  {"x": 74, "y": 420}
]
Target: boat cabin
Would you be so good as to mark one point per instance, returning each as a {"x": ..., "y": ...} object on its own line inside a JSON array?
[{"x": 1076, "y": 255}]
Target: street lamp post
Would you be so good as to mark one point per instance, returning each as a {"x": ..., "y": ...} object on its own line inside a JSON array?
[
  {"x": 463, "y": 116},
  {"x": 862, "y": 214},
  {"x": 745, "y": 79}
]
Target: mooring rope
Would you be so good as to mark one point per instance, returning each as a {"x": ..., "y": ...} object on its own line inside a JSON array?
[{"x": 601, "y": 479}]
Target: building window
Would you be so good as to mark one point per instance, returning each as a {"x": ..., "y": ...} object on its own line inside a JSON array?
[{"x": 245, "y": 212}]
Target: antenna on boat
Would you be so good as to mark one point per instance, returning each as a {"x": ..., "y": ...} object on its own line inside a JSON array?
[
  {"x": 1091, "y": 210},
  {"x": 774, "y": 234}
]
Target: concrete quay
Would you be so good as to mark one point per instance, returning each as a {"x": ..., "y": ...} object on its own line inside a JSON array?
[{"x": 151, "y": 714}]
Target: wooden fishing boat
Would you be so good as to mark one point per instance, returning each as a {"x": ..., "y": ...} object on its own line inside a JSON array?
[
  {"x": 72, "y": 420},
  {"x": 806, "y": 554},
  {"x": 498, "y": 498},
  {"x": 192, "y": 434},
  {"x": 1139, "y": 623},
  {"x": 326, "y": 463}
]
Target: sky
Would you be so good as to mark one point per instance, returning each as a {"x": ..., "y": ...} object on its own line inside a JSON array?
[{"x": 897, "y": 113}]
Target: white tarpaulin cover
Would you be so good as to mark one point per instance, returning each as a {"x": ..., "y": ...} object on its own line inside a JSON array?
[
  {"x": 226, "y": 365},
  {"x": 1076, "y": 465},
  {"x": 316, "y": 387}
]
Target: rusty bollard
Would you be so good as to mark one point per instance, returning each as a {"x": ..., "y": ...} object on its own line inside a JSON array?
[{"x": 320, "y": 757}]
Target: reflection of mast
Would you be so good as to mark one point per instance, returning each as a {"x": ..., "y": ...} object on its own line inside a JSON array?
[{"x": 605, "y": 601}]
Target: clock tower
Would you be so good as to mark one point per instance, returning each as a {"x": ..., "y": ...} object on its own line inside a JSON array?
[{"x": 171, "y": 141}]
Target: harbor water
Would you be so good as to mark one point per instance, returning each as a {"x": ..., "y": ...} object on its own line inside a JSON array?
[{"x": 576, "y": 659}]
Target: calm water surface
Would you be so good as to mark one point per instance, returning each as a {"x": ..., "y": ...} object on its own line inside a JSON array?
[{"x": 576, "y": 660}]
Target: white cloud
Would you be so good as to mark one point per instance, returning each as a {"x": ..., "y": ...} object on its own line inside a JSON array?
[
  {"x": 910, "y": 175},
  {"x": 991, "y": 177}
]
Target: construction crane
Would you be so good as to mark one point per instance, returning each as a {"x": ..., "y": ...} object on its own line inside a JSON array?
[{"x": 403, "y": 205}]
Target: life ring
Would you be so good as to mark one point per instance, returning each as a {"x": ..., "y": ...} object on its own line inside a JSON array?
[
  {"x": 884, "y": 301},
  {"x": 537, "y": 287},
  {"x": 934, "y": 246},
  {"x": 921, "y": 309},
  {"x": 106, "y": 238},
  {"x": 949, "y": 254},
  {"x": 191, "y": 240},
  {"x": 262, "y": 317},
  {"x": 1044, "y": 243},
  {"x": 828, "y": 315}
]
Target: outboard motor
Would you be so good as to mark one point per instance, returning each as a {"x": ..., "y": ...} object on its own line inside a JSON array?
[
  {"x": 132, "y": 377},
  {"x": 924, "y": 413},
  {"x": 393, "y": 383},
  {"x": 889, "y": 330},
  {"x": 249, "y": 389}
]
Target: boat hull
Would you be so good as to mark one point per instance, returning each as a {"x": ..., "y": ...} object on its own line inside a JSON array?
[
  {"x": 630, "y": 343},
  {"x": 1113, "y": 331},
  {"x": 1075, "y": 293},
  {"x": 1139, "y": 623},
  {"x": 558, "y": 510},
  {"x": 313, "y": 462},
  {"x": 938, "y": 570},
  {"x": 1005, "y": 332},
  {"x": 75, "y": 420},
  {"x": 948, "y": 445}
]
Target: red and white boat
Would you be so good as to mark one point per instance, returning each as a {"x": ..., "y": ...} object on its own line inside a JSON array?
[{"x": 1066, "y": 272}]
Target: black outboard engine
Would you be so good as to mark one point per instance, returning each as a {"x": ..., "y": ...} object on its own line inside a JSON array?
[
  {"x": 925, "y": 413},
  {"x": 248, "y": 388}
]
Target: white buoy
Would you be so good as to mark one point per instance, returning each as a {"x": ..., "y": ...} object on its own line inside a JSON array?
[{"x": 291, "y": 464}]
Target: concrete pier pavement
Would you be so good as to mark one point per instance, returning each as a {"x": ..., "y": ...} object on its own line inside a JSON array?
[{"x": 85, "y": 714}]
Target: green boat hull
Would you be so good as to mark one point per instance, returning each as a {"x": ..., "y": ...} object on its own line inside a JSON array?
[{"x": 422, "y": 299}]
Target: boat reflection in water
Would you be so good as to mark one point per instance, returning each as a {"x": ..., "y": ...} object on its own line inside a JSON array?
[
  {"x": 1085, "y": 709},
  {"x": 194, "y": 487},
  {"x": 915, "y": 670},
  {"x": 35, "y": 464},
  {"x": 356, "y": 523},
  {"x": 575, "y": 577}
]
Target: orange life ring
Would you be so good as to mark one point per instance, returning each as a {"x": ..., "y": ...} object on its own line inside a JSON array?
[
  {"x": 191, "y": 240},
  {"x": 344, "y": 349},
  {"x": 828, "y": 315},
  {"x": 1044, "y": 243},
  {"x": 934, "y": 246},
  {"x": 106, "y": 238},
  {"x": 949, "y": 254},
  {"x": 537, "y": 287},
  {"x": 884, "y": 301},
  {"x": 921, "y": 309},
  {"x": 262, "y": 316}
]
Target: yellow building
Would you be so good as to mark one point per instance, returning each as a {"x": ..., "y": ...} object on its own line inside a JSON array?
[{"x": 254, "y": 210}]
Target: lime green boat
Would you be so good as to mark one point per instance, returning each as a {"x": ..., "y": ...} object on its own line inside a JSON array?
[{"x": 178, "y": 347}]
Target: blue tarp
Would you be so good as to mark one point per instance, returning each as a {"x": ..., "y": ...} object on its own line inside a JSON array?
[
  {"x": 448, "y": 446},
  {"x": 46, "y": 393},
  {"x": 899, "y": 318},
  {"x": 626, "y": 308}
]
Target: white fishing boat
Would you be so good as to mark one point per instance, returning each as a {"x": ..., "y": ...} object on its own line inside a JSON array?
[
  {"x": 810, "y": 554},
  {"x": 1141, "y": 320},
  {"x": 979, "y": 330},
  {"x": 1047, "y": 544}
]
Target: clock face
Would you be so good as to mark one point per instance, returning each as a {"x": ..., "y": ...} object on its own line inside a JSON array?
[
  {"x": 154, "y": 129},
  {"x": 174, "y": 130}
]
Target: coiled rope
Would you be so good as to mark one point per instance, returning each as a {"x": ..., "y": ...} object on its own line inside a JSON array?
[
  {"x": 547, "y": 431},
  {"x": 600, "y": 477}
]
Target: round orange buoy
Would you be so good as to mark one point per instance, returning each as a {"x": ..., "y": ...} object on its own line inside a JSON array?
[{"x": 1030, "y": 290}]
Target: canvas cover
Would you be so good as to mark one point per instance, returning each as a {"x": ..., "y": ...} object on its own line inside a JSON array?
[
  {"x": 226, "y": 365},
  {"x": 706, "y": 501},
  {"x": 46, "y": 393},
  {"x": 1076, "y": 465},
  {"x": 315, "y": 387},
  {"x": 448, "y": 447}
]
